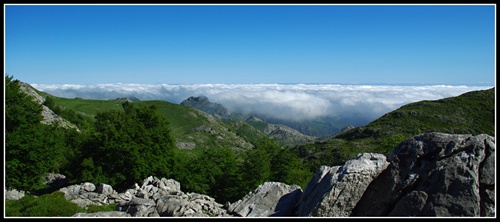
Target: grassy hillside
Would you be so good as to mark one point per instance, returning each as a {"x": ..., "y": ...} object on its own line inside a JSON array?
[
  {"x": 469, "y": 113},
  {"x": 190, "y": 127}
]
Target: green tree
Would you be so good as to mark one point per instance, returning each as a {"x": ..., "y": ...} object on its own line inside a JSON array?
[
  {"x": 32, "y": 149},
  {"x": 215, "y": 172},
  {"x": 256, "y": 168},
  {"x": 128, "y": 146},
  {"x": 284, "y": 166}
]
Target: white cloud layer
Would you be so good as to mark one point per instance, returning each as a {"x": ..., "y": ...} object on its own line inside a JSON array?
[{"x": 289, "y": 102}]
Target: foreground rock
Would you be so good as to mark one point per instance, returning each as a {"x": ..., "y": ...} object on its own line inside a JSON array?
[
  {"x": 271, "y": 199},
  {"x": 334, "y": 191},
  {"x": 435, "y": 174},
  {"x": 155, "y": 198}
]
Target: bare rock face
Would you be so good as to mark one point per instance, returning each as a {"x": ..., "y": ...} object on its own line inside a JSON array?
[
  {"x": 49, "y": 116},
  {"x": 334, "y": 191},
  {"x": 437, "y": 175},
  {"x": 270, "y": 199}
]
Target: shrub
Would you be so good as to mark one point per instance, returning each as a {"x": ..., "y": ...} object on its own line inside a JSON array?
[{"x": 48, "y": 205}]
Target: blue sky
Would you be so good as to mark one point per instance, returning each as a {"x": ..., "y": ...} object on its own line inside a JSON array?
[{"x": 311, "y": 44}]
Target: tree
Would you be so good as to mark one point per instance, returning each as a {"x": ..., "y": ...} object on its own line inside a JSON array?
[
  {"x": 283, "y": 165},
  {"x": 256, "y": 168},
  {"x": 286, "y": 167},
  {"x": 128, "y": 146},
  {"x": 215, "y": 172},
  {"x": 32, "y": 149}
]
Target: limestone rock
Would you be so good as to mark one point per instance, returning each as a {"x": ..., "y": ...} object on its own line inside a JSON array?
[
  {"x": 334, "y": 191},
  {"x": 269, "y": 199},
  {"x": 436, "y": 175}
]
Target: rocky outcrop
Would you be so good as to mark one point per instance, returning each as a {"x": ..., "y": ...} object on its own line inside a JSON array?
[
  {"x": 435, "y": 174},
  {"x": 49, "y": 116},
  {"x": 271, "y": 199},
  {"x": 432, "y": 175},
  {"x": 334, "y": 191},
  {"x": 155, "y": 198}
]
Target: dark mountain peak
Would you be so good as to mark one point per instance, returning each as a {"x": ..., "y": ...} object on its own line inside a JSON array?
[
  {"x": 203, "y": 103},
  {"x": 195, "y": 100}
]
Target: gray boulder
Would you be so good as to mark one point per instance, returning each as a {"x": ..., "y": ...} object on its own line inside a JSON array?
[
  {"x": 268, "y": 200},
  {"x": 334, "y": 191},
  {"x": 13, "y": 194},
  {"x": 437, "y": 175},
  {"x": 139, "y": 207}
]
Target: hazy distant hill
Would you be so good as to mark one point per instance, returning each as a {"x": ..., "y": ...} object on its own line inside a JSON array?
[
  {"x": 469, "y": 113},
  {"x": 320, "y": 126}
]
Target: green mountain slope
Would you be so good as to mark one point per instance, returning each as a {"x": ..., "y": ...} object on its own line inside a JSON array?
[{"x": 469, "y": 113}]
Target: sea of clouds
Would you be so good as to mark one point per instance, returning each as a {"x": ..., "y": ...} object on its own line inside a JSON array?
[{"x": 281, "y": 101}]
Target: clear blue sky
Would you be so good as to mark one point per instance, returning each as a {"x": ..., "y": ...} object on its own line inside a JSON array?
[{"x": 370, "y": 44}]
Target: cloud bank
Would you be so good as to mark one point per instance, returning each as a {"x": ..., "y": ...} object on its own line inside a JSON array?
[{"x": 280, "y": 101}]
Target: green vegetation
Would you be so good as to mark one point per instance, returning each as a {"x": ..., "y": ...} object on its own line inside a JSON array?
[
  {"x": 49, "y": 205},
  {"x": 32, "y": 149},
  {"x": 260, "y": 125},
  {"x": 124, "y": 145}
]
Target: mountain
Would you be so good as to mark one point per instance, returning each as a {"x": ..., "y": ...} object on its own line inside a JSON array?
[
  {"x": 282, "y": 134},
  {"x": 318, "y": 127},
  {"x": 469, "y": 113},
  {"x": 202, "y": 103}
]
